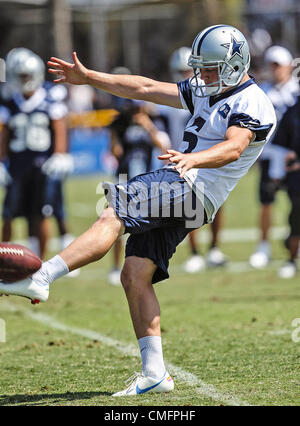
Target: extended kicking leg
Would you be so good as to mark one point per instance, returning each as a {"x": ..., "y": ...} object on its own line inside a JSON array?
[{"x": 91, "y": 246}]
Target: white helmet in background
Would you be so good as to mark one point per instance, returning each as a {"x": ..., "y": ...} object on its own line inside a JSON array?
[
  {"x": 26, "y": 70},
  {"x": 12, "y": 58},
  {"x": 15, "y": 56},
  {"x": 179, "y": 63},
  {"x": 278, "y": 54},
  {"x": 223, "y": 47}
]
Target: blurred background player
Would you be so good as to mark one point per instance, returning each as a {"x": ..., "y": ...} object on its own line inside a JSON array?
[
  {"x": 57, "y": 171},
  {"x": 176, "y": 122},
  {"x": 135, "y": 133},
  {"x": 288, "y": 137},
  {"x": 34, "y": 148},
  {"x": 282, "y": 89}
]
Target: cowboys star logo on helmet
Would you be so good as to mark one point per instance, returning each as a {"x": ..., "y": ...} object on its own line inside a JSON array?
[
  {"x": 235, "y": 47},
  {"x": 220, "y": 47}
]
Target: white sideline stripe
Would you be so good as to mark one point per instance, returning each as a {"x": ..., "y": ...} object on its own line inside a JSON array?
[
  {"x": 279, "y": 332},
  {"x": 230, "y": 235},
  {"x": 232, "y": 267},
  {"x": 201, "y": 387},
  {"x": 234, "y": 235}
]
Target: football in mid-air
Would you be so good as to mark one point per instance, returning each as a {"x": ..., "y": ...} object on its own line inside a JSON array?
[{"x": 17, "y": 262}]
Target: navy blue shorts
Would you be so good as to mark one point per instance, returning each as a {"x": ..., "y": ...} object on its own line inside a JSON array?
[
  {"x": 53, "y": 199},
  {"x": 293, "y": 189},
  {"x": 267, "y": 186},
  {"x": 158, "y": 209},
  {"x": 24, "y": 196},
  {"x": 33, "y": 194}
]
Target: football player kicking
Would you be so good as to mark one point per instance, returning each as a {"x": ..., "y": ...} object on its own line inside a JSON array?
[
  {"x": 231, "y": 121},
  {"x": 177, "y": 120}
]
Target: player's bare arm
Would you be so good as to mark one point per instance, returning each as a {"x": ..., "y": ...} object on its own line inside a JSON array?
[
  {"x": 60, "y": 164},
  {"x": 236, "y": 141},
  {"x": 116, "y": 147},
  {"x": 156, "y": 135},
  {"x": 60, "y": 135},
  {"x": 5, "y": 177},
  {"x": 4, "y": 140},
  {"x": 126, "y": 86}
]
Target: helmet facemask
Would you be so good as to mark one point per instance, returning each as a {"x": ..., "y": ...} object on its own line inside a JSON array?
[{"x": 228, "y": 76}]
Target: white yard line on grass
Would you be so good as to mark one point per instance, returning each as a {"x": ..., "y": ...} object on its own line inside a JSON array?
[
  {"x": 280, "y": 332},
  {"x": 205, "y": 389},
  {"x": 237, "y": 267},
  {"x": 229, "y": 235},
  {"x": 235, "y": 235}
]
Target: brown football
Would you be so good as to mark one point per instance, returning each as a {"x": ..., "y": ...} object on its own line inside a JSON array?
[{"x": 17, "y": 262}]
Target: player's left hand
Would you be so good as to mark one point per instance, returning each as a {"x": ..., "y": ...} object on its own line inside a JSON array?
[
  {"x": 184, "y": 162},
  {"x": 58, "y": 166},
  {"x": 74, "y": 73}
]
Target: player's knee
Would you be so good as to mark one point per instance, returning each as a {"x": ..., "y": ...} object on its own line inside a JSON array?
[
  {"x": 126, "y": 279},
  {"x": 109, "y": 218},
  {"x": 136, "y": 273},
  {"x": 129, "y": 277}
]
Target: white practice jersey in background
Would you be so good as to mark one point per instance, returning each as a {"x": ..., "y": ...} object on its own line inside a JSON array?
[
  {"x": 282, "y": 96},
  {"x": 246, "y": 106}
]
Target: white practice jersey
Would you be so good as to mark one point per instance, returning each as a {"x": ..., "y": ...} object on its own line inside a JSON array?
[
  {"x": 282, "y": 96},
  {"x": 246, "y": 106}
]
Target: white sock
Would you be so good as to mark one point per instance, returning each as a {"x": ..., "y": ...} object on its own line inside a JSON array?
[
  {"x": 152, "y": 356},
  {"x": 51, "y": 271}
]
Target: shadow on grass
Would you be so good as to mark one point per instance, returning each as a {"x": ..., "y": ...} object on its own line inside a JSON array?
[{"x": 40, "y": 399}]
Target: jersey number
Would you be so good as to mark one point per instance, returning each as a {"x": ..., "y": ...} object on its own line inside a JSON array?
[
  {"x": 30, "y": 132},
  {"x": 190, "y": 137},
  {"x": 192, "y": 141}
]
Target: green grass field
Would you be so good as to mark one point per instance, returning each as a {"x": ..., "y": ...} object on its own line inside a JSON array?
[{"x": 227, "y": 333}]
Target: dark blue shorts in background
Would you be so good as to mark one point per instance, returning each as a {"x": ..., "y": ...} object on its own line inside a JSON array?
[
  {"x": 53, "y": 201},
  {"x": 33, "y": 194},
  {"x": 293, "y": 189},
  {"x": 25, "y": 195}
]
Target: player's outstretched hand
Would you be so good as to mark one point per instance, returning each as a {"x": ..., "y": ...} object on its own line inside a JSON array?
[
  {"x": 184, "y": 162},
  {"x": 75, "y": 73}
]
